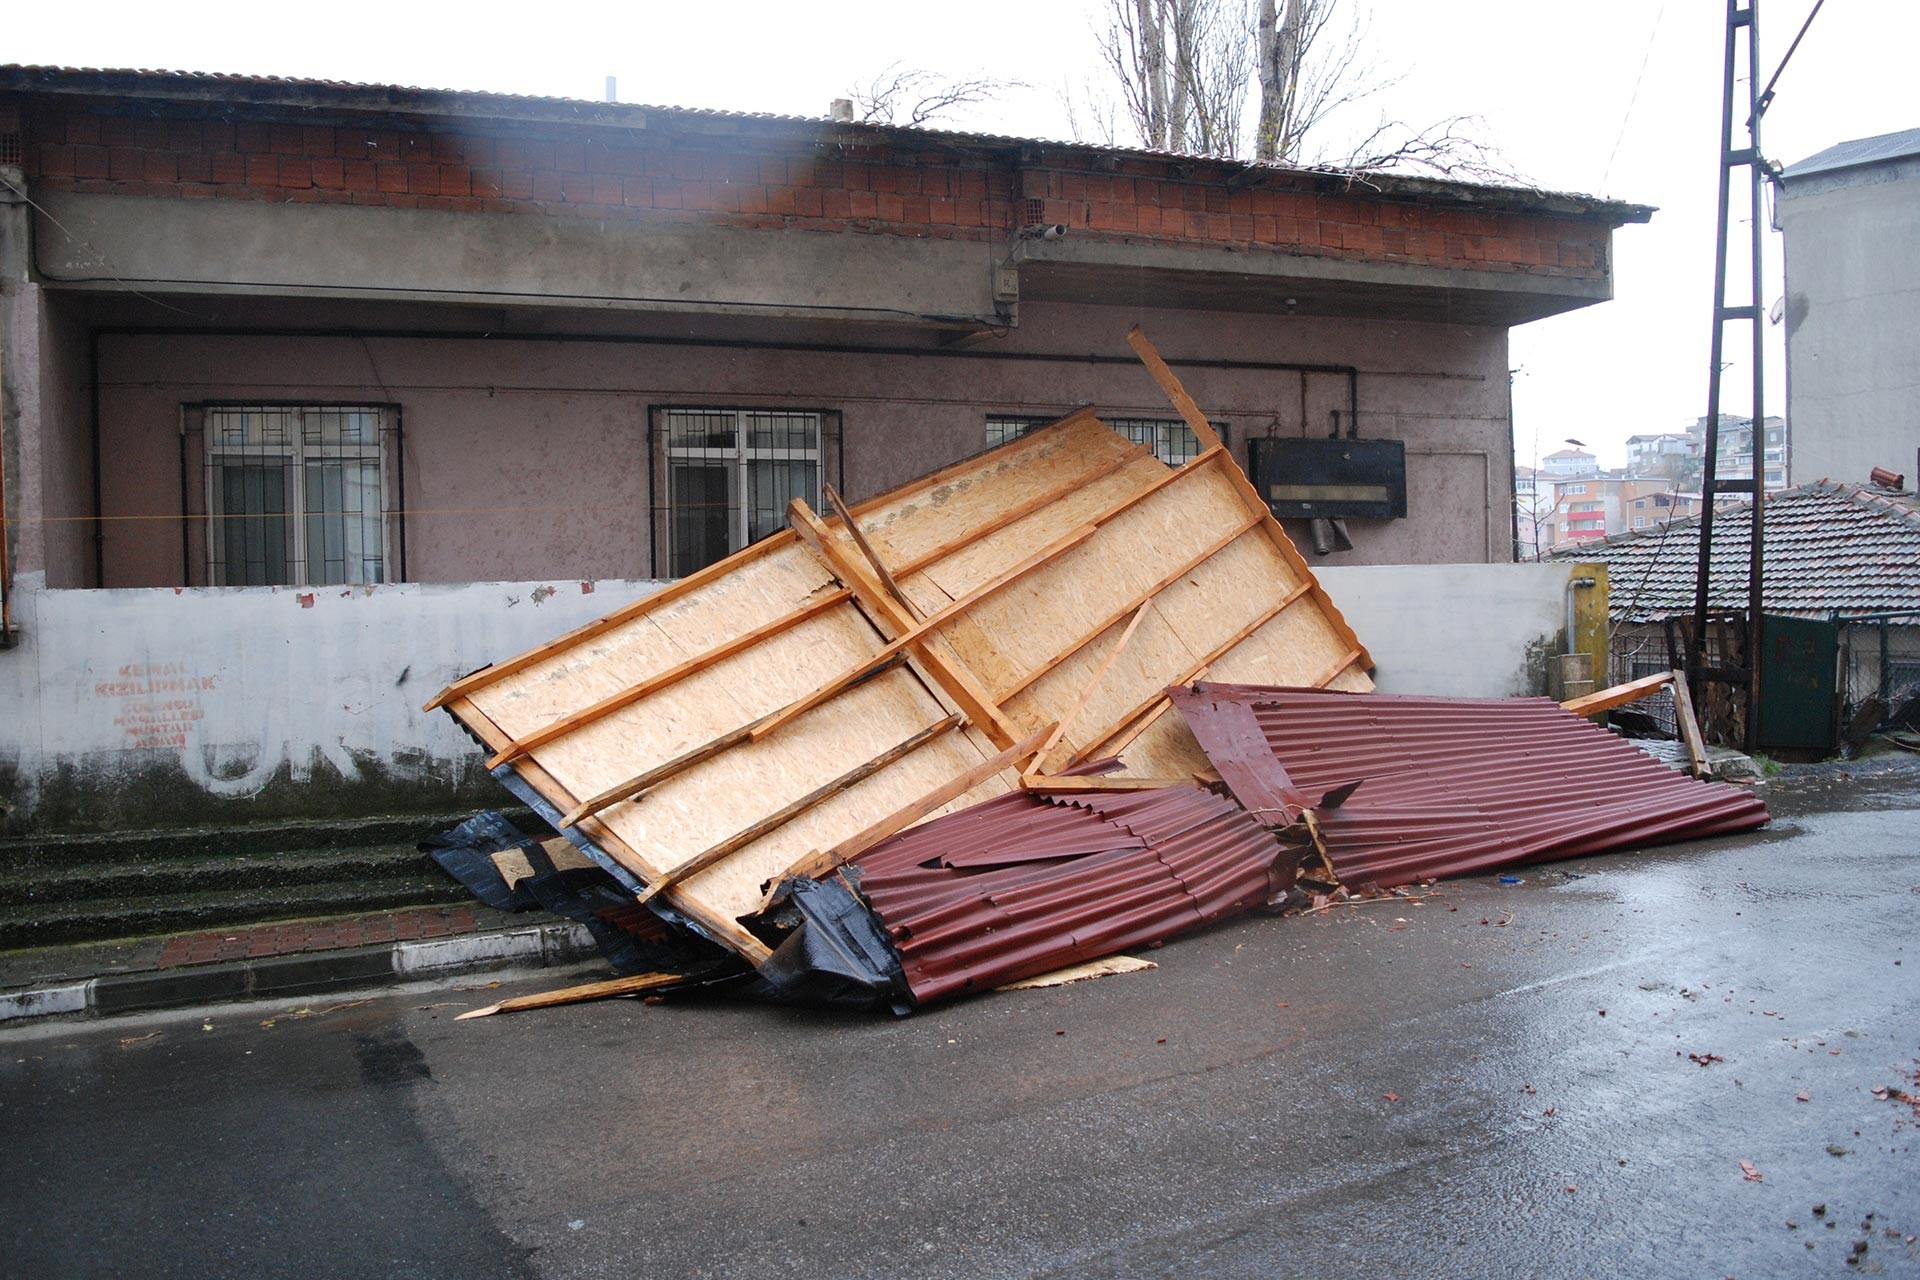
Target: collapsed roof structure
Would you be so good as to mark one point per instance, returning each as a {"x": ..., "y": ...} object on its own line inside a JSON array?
[{"x": 946, "y": 739}]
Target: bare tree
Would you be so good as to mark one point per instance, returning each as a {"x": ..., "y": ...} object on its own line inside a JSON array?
[
  {"x": 912, "y": 96},
  {"x": 1183, "y": 68}
]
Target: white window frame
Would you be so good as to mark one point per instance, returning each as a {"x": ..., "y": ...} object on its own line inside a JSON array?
[
  {"x": 736, "y": 460},
  {"x": 1573, "y": 488},
  {"x": 297, "y": 451}
]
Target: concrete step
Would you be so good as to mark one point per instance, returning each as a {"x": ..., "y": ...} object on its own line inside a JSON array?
[
  {"x": 22, "y": 854},
  {"x": 165, "y": 877},
  {"x": 39, "y": 924}
]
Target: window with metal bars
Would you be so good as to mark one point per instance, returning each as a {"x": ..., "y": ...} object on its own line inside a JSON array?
[
  {"x": 1172, "y": 440},
  {"x": 727, "y": 476},
  {"x": 296, "y": 495}
]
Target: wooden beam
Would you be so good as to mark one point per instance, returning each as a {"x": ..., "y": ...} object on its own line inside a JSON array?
[
  {"x": 934, "y": 480},
  {"x": 874, "y": 561},
  {"x": 576, "y": 995},
  {"x": 1106, "y": 664},
  {"x": 1099, "y": 747},
  {"x": 1689, "y": 725},
  {"x": 1618, "y": 695},
  {"x": 774, "y": 821},
  {"x": 1120, "y": 614},
  {"x": 652, "y": 600},
  {"x": 818, "y": 864},
  {"x": 633, "y": 786},
  {"x": 1014, "y": 515},
  {"x": 954, "y": 679},
  {"x": 1049, "y": 782},
  {"x": 1334, "y": 668},
  {"x": 1170, "y": 384},
  {"x": 727, "y": 931},
  {"x": 653, "y": 684}
]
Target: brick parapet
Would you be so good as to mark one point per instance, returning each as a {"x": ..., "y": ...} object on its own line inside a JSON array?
[{"x": 776, "y": 178}]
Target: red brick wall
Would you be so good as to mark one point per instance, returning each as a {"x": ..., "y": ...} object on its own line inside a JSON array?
[{"x": 769, "y": 176}]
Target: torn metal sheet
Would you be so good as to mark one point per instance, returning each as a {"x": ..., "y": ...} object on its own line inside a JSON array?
[{"x": 1452, "y": 786}]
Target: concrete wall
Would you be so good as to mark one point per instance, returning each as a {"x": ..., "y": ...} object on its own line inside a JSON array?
[
  {"x": 160, "y": 708},
  {"x": 527, "y": 459},
  {"x": 1459, "y": 630},
  {"x": 1852, "y": 247}
]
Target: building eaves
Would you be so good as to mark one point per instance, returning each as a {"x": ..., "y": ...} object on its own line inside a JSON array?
[
  {"x": 1857, "y": 152},
  {"x": 298, "y": 93}
]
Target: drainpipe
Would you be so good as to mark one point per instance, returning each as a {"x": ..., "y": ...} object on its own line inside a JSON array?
[{"x": 1573, "y": 584}]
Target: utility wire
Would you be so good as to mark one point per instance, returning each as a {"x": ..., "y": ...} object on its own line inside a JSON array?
[{"x": 1633, "y": 97}]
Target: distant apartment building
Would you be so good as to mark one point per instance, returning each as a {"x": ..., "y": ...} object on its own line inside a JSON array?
[
  {"x": 1593, "y": 508},
  {"x": 1849, "y": 220},
  {"x": 1533, "y": 499},
  {"x": 1735, "y": 450},
  {"x": 1570, "y": 462},
  {"x": 1670, "y": 454}
]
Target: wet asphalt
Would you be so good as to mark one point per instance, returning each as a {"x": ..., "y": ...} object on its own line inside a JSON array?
[{"x": 1554, "y": 1078}]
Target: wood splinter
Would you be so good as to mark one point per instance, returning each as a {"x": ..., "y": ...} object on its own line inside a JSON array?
[{"x": 577, "y": 995}]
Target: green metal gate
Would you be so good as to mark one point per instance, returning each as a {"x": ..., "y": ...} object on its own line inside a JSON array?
[{"x": 1799, "y": 683}]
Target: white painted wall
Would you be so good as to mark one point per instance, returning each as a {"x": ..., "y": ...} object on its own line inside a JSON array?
[
  {"x": 134, "y": 700},
  {"x": 1461, "y": 630},
  {"x": 231, "y": 684}
]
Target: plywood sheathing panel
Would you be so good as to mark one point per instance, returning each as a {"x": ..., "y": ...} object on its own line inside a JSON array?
[
  {"x": 1197, "y": 537},
  {"x": 919, "y": 521}
]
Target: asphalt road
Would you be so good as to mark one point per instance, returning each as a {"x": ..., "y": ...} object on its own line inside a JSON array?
[{"x": 1501, "y": 1080}]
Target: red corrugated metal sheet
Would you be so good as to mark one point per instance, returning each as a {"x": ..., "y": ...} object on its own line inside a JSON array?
[
  {"x": 1459, "y": 785},
  {"x": 1025, "y": 884}
]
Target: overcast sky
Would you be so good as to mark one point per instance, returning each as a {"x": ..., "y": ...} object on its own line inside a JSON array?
[{"x": 1618, "y": 99}]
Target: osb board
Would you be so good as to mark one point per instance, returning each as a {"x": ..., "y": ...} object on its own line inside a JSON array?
[
  {"x": 917, "y": 521},
  {"x": 1154, "y": 658},
  {"x": 689, "y": 712},
  {"x": 697, "y": 809},
  {"x": 751, "y": 595}
]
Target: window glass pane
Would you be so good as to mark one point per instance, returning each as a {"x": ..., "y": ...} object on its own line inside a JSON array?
[
  {"x": 782, "y": 432},
  {"x": 700, "y": 429},
  {"x": 771, "y": 485},
  {"x": 251, "y": 542},
  {"x": 701, "y": 517},
  {"x": 342, "y": 522},
  {"x": 1172, "y": 440},
  {"x": 1002, "y": 427}
]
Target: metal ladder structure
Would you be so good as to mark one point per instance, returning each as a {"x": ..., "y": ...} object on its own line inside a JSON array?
[{"x": 1745, "y": 671}]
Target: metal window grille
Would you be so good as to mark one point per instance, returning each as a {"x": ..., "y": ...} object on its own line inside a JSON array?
[
  {"x": 1173, "y": 440},
  {"x": 297, "y": 495},
  {"x": 730, "y": 474}
]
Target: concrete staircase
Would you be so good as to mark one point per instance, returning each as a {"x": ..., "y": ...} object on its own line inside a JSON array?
[{"x": 88, "y": 888}]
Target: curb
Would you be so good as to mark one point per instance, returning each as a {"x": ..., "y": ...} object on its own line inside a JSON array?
[{"x": 543, "y": 945}]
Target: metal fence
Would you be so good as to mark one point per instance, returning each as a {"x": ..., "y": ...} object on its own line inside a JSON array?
[{"x": 1880, "y": 660}]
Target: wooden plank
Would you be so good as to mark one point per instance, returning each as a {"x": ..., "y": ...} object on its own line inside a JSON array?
[
  {"x": 934, "y": 479},
  {"x": 627, "y": 613},
  {"x": 1192, "y": 563},
  {"x": 1101, "y": 968},
  {"x": 1048, "y": 782},
  {"x": 1618, "y": 695},
  {"x": 1066, "y": 721},
  {"x": 1326, "y": 676},
  {"x": 575, "y": 995},
  {"x": 732, "y": 738},
  {"x": 635, "y": 692},
  {"x": 1689, "y": 725},
  {"x": 750, "y": 948},
  {"x": 780, "y": 817},
  {"x": 1170, "y": 384},
  {"x": 980, "y": 709},
  {"x": 1137, "y": 718},
  {"x": 817, "y": 864},
  {"x": 1013, "y": 516},
  {"x": 874, "y": 561}
]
